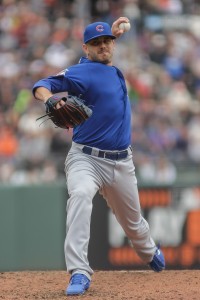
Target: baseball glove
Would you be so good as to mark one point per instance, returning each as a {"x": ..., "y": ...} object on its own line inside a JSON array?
[{"x": 72, "y": 113}]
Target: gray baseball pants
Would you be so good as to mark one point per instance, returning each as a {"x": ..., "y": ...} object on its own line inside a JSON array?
[{"x": 116, "y": 181}]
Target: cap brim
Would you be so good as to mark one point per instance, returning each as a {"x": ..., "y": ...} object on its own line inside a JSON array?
[{"x": 97, "y": 36}]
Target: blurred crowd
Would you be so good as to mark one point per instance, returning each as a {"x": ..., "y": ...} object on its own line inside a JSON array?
[{"x": 160, "y": 58}]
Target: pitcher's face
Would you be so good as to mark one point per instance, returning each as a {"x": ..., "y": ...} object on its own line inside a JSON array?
[{"x": 100, "y": 49}]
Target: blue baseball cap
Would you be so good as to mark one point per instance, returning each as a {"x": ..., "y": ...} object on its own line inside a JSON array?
[{"x": 96, "y": 30}]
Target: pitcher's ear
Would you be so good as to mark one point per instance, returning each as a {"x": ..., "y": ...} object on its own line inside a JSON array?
[{"x": 84, "y": 47}]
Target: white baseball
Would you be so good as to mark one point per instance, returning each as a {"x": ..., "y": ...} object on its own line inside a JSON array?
[{"x": 125, "y": 26}]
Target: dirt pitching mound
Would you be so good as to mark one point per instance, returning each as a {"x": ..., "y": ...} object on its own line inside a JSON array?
[{"x": 106, "y": 285}]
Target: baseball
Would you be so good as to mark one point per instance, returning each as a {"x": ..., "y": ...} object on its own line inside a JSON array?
[{"x": 125, "y": 26}]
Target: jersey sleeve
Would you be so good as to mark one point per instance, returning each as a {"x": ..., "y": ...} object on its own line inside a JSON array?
[
  {"x": 77, "y": 79},
  {"x": 72, "y": 80}
]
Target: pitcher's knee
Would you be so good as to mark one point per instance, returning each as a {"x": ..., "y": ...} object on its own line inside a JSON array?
[{"x": 82, "y": 193}]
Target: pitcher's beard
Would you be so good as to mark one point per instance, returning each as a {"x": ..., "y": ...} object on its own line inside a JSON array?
[
  {"x": 105, "y": 62},
  {"x": 101, "y": 58},
  {"x": 104, "y": 59}
]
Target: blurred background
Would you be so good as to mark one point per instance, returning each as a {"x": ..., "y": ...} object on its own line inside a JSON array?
[{"x": 160, "y": 58}]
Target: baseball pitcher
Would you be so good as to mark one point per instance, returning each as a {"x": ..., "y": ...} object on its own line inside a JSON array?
[{"x": 100, "y": 158}]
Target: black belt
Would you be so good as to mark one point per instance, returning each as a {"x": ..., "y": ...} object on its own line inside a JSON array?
[{"x": 117, "y": 155}]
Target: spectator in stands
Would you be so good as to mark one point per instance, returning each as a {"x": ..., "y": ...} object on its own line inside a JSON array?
[{"x": 35, "y": 40}]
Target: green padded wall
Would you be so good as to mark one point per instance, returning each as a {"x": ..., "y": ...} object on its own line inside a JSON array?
[{"x": 32, "y": 227}]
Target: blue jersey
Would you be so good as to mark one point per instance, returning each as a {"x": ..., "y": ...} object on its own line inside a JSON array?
[{"x": 103, "y": 89}]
